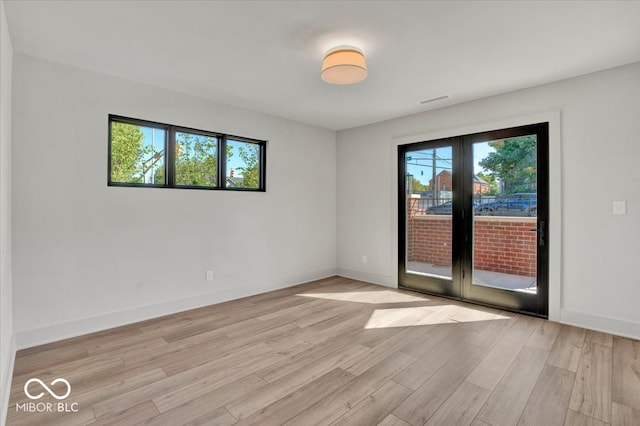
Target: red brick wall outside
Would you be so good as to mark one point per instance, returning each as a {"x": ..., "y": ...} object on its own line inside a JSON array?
[
  {"x": 442, "y": 178},
  {"x": 429, "y": 240},
  {"x": 480, "y": 188},
  {"x": 506, "y": 246},
  {"x": 501, "y": 244}
]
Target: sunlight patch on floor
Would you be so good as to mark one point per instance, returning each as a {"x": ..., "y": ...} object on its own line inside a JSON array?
[
  {"x": 428, "y": 315},
  {"x": 371, "y": 297}
]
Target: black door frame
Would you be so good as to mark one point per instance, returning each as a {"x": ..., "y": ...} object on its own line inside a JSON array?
[
  {"x": 432, "y": 284},
  {"x": 460, "y": 286}
]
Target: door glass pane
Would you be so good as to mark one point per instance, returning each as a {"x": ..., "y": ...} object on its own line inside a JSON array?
[
  {"x": 429, "y": 210},
  {"x": 505, "y": 210}
]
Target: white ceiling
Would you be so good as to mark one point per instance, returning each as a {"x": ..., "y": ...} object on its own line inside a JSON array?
[{"x": 266, "y": 55}]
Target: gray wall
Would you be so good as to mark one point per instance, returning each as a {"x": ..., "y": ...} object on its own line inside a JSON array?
[
  {"x": 88, "y": 256},
  {"x": 594, "y": 160},
  {"x": 7, "y": 348}
]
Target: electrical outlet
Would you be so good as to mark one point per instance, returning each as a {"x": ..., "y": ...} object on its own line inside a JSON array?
[
  {"x": 208, "y": 276},
  {"x": 364, "y": 259},
  {"x": 619, "y": 207}
]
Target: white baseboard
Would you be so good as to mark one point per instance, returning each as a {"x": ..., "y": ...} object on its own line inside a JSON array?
[
  {"x": 8, "y": 375},
  {"x": 384, "y": 280},
  {"x": 39, "y": 336},
  {"x": 598, "y": 323},
  {"x": 615, "y": 326}
]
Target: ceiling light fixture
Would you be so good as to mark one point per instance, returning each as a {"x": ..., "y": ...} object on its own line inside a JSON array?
[{"x": 344, "y": 65}]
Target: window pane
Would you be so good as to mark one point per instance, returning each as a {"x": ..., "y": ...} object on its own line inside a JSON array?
[
  {"x": 429, "y": 193},
  {"x": 243, "y": 165},
  {"x": 196, "y": 157},
  {"x": 505, "y": 188},
  {"x": 137, "y": 154}
]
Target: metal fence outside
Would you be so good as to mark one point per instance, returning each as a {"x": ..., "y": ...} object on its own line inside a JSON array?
[{"x": 518, "y": 205}]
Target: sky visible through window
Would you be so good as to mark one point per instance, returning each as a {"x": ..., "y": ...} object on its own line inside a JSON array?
[
  {"x": 420, "y": 163},
  {"x": 154, "y": 139}
]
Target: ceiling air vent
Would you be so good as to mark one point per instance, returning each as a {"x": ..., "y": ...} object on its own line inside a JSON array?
[{"x": 438, "y": 98}]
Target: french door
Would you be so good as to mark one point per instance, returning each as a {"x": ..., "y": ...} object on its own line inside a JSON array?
[{"x": 473, "y": 218}]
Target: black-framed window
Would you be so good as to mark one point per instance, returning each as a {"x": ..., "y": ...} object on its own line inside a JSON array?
[{"x": 145, "y": 153}]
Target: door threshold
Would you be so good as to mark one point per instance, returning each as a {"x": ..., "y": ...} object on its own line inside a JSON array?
[{"x": 472, "y": 302}]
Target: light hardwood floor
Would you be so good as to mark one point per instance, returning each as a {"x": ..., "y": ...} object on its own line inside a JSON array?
[{"x": 339, "y": 352}]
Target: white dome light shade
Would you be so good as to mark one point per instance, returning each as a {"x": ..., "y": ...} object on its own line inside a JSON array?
[{"x": 344, "y": 65}]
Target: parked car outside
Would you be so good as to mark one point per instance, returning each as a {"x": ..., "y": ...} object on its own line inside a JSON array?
[
  {"x": 445, "y": 208},
  {"x": 519, "y": 204}
]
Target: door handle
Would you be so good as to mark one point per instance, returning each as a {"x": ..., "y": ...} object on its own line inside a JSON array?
[{"x": 540, "y": 232}]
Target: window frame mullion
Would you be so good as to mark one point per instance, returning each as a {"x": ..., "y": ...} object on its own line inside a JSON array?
[
  {"x": 222, "y": 162},
  {"x": 170, "y": 166}
]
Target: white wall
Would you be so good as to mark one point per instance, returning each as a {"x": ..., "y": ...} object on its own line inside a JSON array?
[
  {"x": 596, "y": 163},
  {"x": 88, "y": 256},
  {"x": 7, "y": 348}
]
